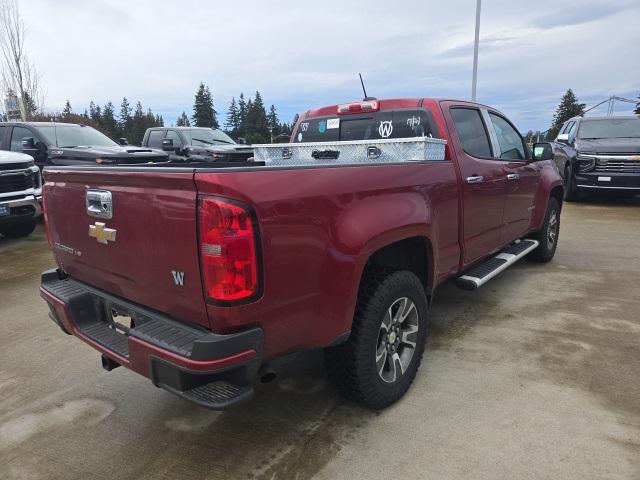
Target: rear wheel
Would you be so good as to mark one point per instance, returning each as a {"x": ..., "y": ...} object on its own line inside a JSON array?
[
  {"x": 19, "y": 230},
  {"x": 379, "y": 361},
  {"x": 570, "y": 189},
  {"x": 548, "y": 235}
]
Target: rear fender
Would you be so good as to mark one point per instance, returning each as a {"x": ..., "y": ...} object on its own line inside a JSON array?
[{"x": 376, "y": 223}]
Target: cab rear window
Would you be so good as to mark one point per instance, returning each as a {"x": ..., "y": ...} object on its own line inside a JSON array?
[{"x": 371, "y": 126}]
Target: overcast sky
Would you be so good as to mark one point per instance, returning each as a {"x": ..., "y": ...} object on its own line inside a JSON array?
[{"x": 302, "y": 54}]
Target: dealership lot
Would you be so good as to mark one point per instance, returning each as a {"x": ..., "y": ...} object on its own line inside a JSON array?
[{"x": 535, "y": 375}]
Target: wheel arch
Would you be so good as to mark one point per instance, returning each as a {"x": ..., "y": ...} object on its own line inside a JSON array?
[{"x": 412, "y": 253}]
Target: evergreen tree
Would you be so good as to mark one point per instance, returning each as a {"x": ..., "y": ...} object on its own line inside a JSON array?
[
  {"x": 249, "y": 127},
  {"x": 138, "y": 125},
  {"x": 637, "y": 110},
  {"x": 285, "y": 128},
  {"x": 568, "y": 108},
  {"x": 66, "y": 111},
  {"x": 232, "y": 124},
  {"x": 95, "y": 113},
  {"x": 30, "y": 106},
  {"x": 124, "y": 122},
  {"x": 108, "y": 120},
  {"x": 204, "y": 115},
  {"x": 261, "y": 127},
  {"x": 183, "y": 120},
  {"x": 273, "y": 123},
  {"x": 159, "y": 121},
  {"x": 242, "y": 115}
]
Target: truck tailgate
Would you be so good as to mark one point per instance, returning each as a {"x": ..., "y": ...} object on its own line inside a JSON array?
[{"x": 147, "y": 252}]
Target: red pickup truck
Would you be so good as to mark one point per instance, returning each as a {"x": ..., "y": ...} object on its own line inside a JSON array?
[{"x": 200, "y": 276}]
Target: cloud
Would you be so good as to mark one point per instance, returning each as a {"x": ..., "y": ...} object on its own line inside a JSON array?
[{"x": 578, "y": 14}]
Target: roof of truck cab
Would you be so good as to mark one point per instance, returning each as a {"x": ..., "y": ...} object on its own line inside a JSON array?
[
  {"x": 604, "y": 117},
  {"x": 43, "y": 124},
  {"x": 389, "y": 104},
  {"x": 183, "y": 128}
]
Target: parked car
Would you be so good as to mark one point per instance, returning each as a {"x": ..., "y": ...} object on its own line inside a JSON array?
[
  {"x": 599, "y": 153},
  {"x": 55, "y": 143},
  {"x": 234, "y": 268},
  {"x": 196, "y": 144},
  {"x": 20, "y": 194}
]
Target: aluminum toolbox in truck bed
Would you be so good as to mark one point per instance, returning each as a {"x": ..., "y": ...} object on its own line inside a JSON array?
[{"x": 395, "y": 150}]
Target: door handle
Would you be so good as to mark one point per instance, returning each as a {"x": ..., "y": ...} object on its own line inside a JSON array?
[
  {"x": 513, "y": 176},
  {"x": 475, "y": 179}
]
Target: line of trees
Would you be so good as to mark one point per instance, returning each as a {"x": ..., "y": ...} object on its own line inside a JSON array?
[
  {"x": 130, "y": 122},
  {"x": 247, "y": 119}
]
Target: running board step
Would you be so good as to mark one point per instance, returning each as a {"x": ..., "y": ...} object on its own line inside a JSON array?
[
  {"x": 485, "y": 271},
  {"x": 216, "y": 395}
]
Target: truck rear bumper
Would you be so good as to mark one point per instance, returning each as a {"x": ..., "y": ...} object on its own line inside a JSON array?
[{"x": 212, "y": 370}]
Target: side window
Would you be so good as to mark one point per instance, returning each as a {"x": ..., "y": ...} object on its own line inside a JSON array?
[
  {"x": 509, "y": 140},
  {"x": 3, "y": 130},
  {"x": 572, "y": 129},
  {"x": 471, "y": 132},
  {"x": 173, "y": 135},
  {"x": 155, "y": 138},
  {"x": 566, "y": 127},
  {"x": 16, "y": 138}
]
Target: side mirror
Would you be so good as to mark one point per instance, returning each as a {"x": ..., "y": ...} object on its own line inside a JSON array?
[
  {"x": 542, "y": 151},
  {"x": 28, "y": 143},
  {"x": 123, "y": 141},
  {"x": 167, "y": 145},
  {"x": 563, "y": 137}
]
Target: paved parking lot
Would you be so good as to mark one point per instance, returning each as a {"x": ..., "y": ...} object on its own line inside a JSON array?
[{"x": 535, "y": 375}]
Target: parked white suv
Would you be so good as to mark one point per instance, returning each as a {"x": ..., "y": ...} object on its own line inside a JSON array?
[{"x": 20, "y": 194}]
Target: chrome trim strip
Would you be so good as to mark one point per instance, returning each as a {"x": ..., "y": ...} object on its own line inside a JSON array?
[
  {"x": 608, "y": 188},
  {"x": 627, "y": 157}
]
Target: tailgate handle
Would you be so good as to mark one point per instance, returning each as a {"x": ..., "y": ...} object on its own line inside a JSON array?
[
  {"x": 325, "y": 154},
  {"x": 99, "y": 203}
]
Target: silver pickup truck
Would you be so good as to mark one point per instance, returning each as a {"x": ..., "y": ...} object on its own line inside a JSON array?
[{"x": 20, "y": 194}]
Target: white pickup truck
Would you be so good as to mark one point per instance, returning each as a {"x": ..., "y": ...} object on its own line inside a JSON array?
[{"x": 20, "y": 194}]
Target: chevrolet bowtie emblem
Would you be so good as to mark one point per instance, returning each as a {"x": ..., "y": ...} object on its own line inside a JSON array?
[{"x": 101, "y": 233}]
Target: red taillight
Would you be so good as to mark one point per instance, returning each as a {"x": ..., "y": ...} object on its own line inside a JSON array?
[
  {"x": 357, "y": 107},
  {"x": 228, "y": 250}
]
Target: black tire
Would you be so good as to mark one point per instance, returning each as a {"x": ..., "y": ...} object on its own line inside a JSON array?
[
  {"x": 19, "y": 230},
  {"x": 549, "y": 234},
  {"x": 570, "y": 189},
  {"x": 351, "y": 366}
]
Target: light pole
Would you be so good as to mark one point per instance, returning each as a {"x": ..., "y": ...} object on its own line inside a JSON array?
[{"x": 475, "y": 52}]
